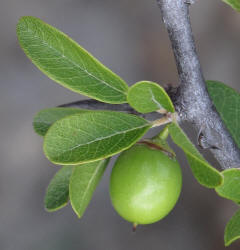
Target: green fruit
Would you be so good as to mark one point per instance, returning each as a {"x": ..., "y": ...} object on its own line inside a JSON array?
[{"x": 145, "y": 184}]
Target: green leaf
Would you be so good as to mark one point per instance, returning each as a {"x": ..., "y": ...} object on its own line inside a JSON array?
[
  {"x": 146, "y": 97},
  {"x": 57, "y": 194},
  {"x": 46, "y": 117},
  {"x": 92, "y": 136},
  {"x": 235, "y": 4},
  {"x": 83, "y": 183},
  {"x": 232, "y": 230},
  {"x": 202, "y": 170},
  {"x": 231, "y": 186},
  {"x": 65, "y": 62},
  {"x": 227, "y": 103}
]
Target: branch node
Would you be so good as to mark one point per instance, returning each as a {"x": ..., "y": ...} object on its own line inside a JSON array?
[{"x": 189, "y": 2}]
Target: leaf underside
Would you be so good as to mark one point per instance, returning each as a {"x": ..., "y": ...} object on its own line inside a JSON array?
[
  {"x": 232, "y": 230},
  {"x": 92, "y": 136},
  {"x": 146, "y": 97},
  {"x": 227, "y": 102},
  {"x": 46, "y": 117},
  {"x": 65, "y": 62},
  {"x": 201, "y": 169},
  {"x": 57, "y": 194},
  {"x": 83, "y": 183}
]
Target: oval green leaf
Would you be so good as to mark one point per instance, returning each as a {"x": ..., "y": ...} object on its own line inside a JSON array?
[
  {"x": 227, "y": 102},
  {"x": 57, "y": 194},
  {"x": 232, "y": 230},
  {"x": 68, "y": 64},
  {"x": 46, "y": 117},
  {"x": 231, "y": 186},
  {"x": 83, "y": 183},
  {"x": 235, "y": 4},
  {"x": 204, "y": 173},
  {"x": 92, "y": 136},
  {"x": 146, "y": 97}
]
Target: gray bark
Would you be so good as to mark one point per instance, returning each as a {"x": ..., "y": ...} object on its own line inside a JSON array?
[{"x": 191, "y": 100}]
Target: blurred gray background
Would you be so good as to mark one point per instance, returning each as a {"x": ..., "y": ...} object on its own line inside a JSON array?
[{"x": 129, "y": 37}]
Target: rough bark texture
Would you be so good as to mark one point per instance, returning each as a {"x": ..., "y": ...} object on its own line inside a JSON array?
[{"x": 191, "y": 100}]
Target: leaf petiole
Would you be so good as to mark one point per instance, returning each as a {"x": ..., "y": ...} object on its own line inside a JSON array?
[{"x": 167, "y": 118}]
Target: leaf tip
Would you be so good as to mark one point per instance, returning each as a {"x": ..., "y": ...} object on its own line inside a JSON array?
[
  {"x": 228, "y": 242},
  {"x": 54, "y": 209},
  {"x": 22, "y": 25},
  {"x": 22, "y": 20},
  {"x": 79, "y": 215}
]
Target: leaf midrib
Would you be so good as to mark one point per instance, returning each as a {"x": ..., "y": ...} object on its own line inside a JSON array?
[
  {"x": 88, "y": 186},
  {"x": 154, "y": 99},
  {"x": 103, "y": 138},
  {"x": 71, "y": 61}
]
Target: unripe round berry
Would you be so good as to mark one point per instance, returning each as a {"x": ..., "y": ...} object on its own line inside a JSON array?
[{"x": 145, "y": 184}]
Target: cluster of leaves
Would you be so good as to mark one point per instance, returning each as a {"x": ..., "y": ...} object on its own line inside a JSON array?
[{"x": 83, "y": 141}]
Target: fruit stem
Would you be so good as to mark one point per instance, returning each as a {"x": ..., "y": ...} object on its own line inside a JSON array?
[
  {"x": 160, "y": 141},
  {"x": 163, "y": 135},
  {"x": 134, "y": 228}
]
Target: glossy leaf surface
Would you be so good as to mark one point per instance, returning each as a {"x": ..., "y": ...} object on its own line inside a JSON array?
[
  {"x": 227, "y": 102},
  {"x": 46, "y": 117},
  {"x": 57, "y": 194},
  {"x": 83, "y": 183},
  {"x": 201, "y": 169},
  {"x": 146, "y": 97},
  {"x": 92, "y": 136},
  {"x": 65, "y": 62}
]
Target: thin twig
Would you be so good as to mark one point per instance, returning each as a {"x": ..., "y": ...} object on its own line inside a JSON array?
[{"x": 96, "y": 105}]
